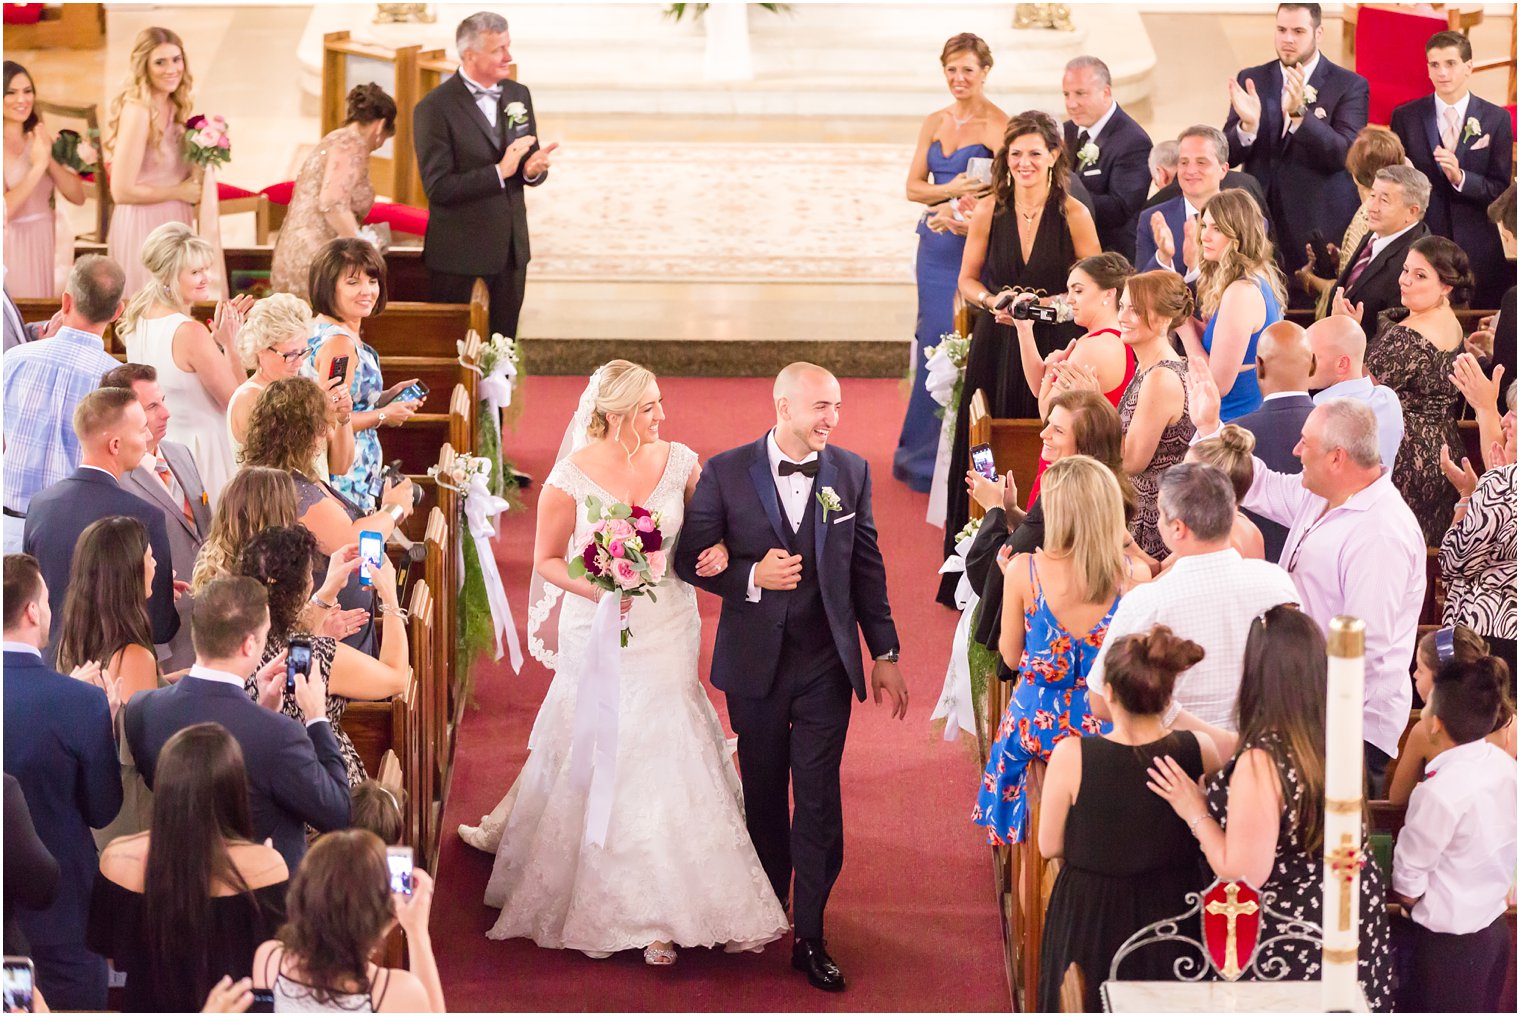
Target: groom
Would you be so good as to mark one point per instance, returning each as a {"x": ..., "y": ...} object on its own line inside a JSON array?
[{"x": 804, "y": 574}]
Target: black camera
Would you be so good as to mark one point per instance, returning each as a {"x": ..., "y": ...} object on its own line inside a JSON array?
[
  {"x": 1033, "y": 310},
  {"x": 391, "y": 474}
]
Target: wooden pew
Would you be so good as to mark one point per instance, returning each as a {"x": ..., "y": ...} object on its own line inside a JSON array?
[{"x": 1015, "y": 446}]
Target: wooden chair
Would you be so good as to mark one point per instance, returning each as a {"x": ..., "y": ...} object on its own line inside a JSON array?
[
  {"x": 85, "y": 120},
  {"x": 1385, "y": 43},
  {"x": 1015, "y": 446}
]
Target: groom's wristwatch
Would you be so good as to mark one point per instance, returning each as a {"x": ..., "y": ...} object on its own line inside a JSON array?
[{"x": 890, "y": 656}]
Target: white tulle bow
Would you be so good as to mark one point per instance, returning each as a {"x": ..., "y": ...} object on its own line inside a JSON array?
[
  {"x": 481, "y": 509},
  {"x": 955, "y": 704},
  {"x": 940, "y": 374}
]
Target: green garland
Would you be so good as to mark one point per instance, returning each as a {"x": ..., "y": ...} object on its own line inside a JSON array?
[
  {"x": 983, "y": 663},
  {"x": 477, "y": 629}
]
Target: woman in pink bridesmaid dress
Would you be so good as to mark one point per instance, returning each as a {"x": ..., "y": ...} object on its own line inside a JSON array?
[
  {"x": 31, "y": 180},
  {"x": 151, "y": 180}
]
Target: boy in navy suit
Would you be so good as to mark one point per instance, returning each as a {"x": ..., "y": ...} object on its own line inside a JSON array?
[
  {"x": 1109, "y": 151},
  {"x": 60, "y": 747},
  {"x": 1290, "y": 125},
  {"x": 1465, "y": 145}
]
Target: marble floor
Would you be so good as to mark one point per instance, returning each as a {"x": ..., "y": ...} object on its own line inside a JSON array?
[{"x": 243, "y": 60}]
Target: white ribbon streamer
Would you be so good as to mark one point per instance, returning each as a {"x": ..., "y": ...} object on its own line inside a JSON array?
[
  {"x": 940, "y": 374},
  {"x": 955, "y": 704},
  {"x": 481, "y": 508},
  {"x": 593, "y": 748}
]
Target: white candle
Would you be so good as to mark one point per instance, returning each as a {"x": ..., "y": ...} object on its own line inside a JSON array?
[{"x": 1343, "y": 813}]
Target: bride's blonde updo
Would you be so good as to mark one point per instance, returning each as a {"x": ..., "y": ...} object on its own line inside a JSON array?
[{"x": 622, "y": 385}]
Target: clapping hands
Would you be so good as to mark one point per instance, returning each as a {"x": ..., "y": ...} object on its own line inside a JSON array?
[
  {"x": 1202, "y": 396},
  {"x": 1247, "y": 105},
  {"x": 1344, "y": 307},
  {"x": 1464, "y": 478}
]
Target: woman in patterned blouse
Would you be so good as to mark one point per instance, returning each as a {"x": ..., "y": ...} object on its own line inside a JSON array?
[{"x": 1477, "y": 557}]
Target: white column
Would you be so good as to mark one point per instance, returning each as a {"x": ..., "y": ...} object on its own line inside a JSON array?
[
  {"x": 1343, "y": 814},
  {"x": 727, "y": 57}
]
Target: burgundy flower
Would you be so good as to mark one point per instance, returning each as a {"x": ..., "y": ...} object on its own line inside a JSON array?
[
  {"x": 652, "y": 540},
  {"x": 639, "y": 513},
  {"x": 589, "y": 557},
  {"x": 195, "y": 122}
]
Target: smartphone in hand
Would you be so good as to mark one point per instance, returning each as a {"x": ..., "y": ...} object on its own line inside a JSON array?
[
  {"x": 399, "y": 862},
  {"x": 371, "y": 550},
  {"x": 338, "y": 367},
  {"x": 297, "y": 661},
  {"x": 981, "y": 461}
]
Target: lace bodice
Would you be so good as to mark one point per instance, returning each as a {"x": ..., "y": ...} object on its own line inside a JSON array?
[{"x": 668, "y": 500}]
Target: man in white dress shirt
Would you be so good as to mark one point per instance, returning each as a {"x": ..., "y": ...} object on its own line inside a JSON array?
[
  {"x": 1210, "y": 595},
  {"x": 1354, "y": 547}
]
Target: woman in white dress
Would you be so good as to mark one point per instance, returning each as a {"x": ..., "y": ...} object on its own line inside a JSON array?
[
  {"x": 199, "y": 369},
  {"x": 677, "y": 866}
]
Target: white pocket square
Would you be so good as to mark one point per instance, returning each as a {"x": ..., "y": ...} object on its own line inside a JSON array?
[
  {"x": 1480, "y": 143},
  {"x": 842, "y": 518}
]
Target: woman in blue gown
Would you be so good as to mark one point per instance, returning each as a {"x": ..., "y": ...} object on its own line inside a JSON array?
[{"x": 969, "y": 128}]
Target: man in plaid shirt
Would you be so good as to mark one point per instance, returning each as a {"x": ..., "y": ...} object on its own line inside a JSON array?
[{"x": 44, "y": 381}]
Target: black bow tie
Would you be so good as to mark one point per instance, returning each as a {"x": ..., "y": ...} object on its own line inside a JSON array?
[{"x": 808, "y": 469}]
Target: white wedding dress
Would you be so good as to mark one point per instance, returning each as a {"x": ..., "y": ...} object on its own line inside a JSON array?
[{"x": 678, "y": 865}]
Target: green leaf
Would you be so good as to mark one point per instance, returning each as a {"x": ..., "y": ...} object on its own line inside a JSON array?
[
  {"x": 593, "y": 508},
  {"x": 577, "y": 567},
  {"x": 620, "y": 511}
]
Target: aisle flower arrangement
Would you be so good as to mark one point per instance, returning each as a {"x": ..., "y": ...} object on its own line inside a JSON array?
[{"x": 500, "y": 374}]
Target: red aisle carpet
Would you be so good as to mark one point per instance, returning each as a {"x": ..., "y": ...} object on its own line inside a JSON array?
[{"x": 912, "y": 920}]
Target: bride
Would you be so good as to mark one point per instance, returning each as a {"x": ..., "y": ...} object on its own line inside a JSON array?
[{"x": 676, "y": 866}]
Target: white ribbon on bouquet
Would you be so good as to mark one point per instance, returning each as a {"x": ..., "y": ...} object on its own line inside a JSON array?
[
  {"x": 593, "y": 747},
  {"x": 481, "y": 509},
  {"x": 955, "y": 704}
]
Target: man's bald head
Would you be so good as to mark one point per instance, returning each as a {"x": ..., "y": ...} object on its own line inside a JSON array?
[
  {"x": 1339, "y": 346},
  {"x": 1284, "y": 361},
  {"x": 807, "y": 408}
]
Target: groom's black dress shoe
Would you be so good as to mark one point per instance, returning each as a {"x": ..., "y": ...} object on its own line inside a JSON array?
[{"x": 809, "y": 956}]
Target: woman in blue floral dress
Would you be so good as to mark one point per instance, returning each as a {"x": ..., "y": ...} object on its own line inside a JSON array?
[
  {"x": 348, "y": 285},
  {"x": 1066, "y": 593}
]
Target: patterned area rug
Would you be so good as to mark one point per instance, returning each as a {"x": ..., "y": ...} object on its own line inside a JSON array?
[{"x": 725, "y": 212}]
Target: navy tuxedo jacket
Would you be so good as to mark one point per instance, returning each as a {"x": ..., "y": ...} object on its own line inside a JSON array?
[
  {"x": 1304, "y": 173},
  {"x": 59, "y": 746},
  {"x": 1377, "y": 288},
  {"x": 295, "y": 773},
  {"x": 58, "y": 515},
  {"x": 1118, "y": 181},
  {"x": 1277, "y": 425},
  {"x": 477, "y": 222},
  {"x": 1462, "y": 216},
  {"x": 736, "y": 502},
  {"x": 1175, "y": 212}
]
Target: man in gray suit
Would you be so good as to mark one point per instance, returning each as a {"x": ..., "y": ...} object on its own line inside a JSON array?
[{"x": 168, "y": 480}]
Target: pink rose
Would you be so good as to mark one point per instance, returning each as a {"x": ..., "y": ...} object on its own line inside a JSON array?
[
  {"x": 224, "y": 142},
  {"x": 616, "y": 548},
  {"x": 621, "y": 528},
  {"x": 625, "y": 574},
  {"x": 657, "y": 565},
  {"x": 643, "y": 523}
]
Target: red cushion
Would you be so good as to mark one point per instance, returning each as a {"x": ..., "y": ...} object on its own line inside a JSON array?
[
  {"x": 402, "y": 218},
  {"x": 279, "y": 193},
  {"x": 227, "y": 192},
  {"x": 23, "y": 14},
  {"x": 1390, "y": 54}
]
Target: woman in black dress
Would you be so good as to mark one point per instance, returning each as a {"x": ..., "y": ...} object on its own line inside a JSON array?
[
  {"x": 186, "y": 903},
  {"x": 1261, "y": 819},
  {"x": 1026, "y": 235},
  {"x": 1113, "y": 882}
]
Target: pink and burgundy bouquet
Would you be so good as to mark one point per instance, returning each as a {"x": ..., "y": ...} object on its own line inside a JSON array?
[
  {"x": 625, "y": 553},
  {"x": 206, "y": 141}
]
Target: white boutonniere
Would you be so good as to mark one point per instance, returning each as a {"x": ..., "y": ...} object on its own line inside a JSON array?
[
  {"x": 1471, "y": 129},
  {"x": 1311, "y": 94},
  {"x": 829, "y": 502},
  {"x": 1087, "y": 155},
  {"x": 517, "y": 113}
]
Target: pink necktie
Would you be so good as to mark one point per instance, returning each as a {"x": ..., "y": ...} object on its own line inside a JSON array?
[
  {"x": 1449, "y": 128},
  {"x": 1361, "y": 265}
]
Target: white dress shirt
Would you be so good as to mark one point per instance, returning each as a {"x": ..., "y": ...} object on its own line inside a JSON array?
[
  {"x": 1384, "y": 403},
  {"x": 1268, "y": 398},
  {"x": 1189, "y": 214},
  {"x": 1098, "y": 125},
  {"x": 1212, "y": 600},
  {"x": 21, "y": 647},
  {"x": 1379, "y": 243},
  {"x": 1461, "y": 107},
  {"x": 1289, "y": 127},
  {"x": 1366, "y": 559},
  {"x": 791, "y": 491},
  {"x": 226, "y": 677},
  {"x": 1456, "y": 852}
]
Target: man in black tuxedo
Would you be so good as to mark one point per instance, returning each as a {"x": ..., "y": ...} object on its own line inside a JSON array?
[
  {"x": 295, "y": 773},
  {"x": 1284, "y": 364},
  {"x": 113, "y": 438},
  {"x": 1108, "y": 152},
  {"x": 1465, "y": 145},
  {"x": 1369, "y": 284},
  {"x": 59, "y": 745},
  {"x": 805, "y": 580},
  {"x": 1290, "y": 125},
  {"x": 477, "y": 148}
]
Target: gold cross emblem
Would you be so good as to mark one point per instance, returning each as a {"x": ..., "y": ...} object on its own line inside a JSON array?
[{"x": 1232, "y": 909}]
